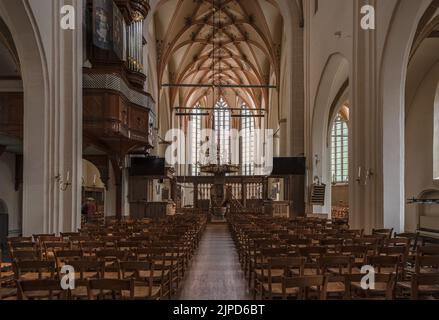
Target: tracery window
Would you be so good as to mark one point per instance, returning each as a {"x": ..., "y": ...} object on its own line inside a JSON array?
[
  {"x": 222, "y": 130},
  {"x": 340, "y": 151}
]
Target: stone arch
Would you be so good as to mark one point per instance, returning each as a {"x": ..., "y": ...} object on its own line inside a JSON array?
[
  {"x": 19, "y": 18},
  {"x": 394, "y": 65},
  {"x": 333, "y": 79}
]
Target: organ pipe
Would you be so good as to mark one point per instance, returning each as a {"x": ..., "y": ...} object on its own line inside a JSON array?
[{"x": 135, "y": 43}]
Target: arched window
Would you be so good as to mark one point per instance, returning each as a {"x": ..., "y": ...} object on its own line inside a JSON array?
[
  {"x": 248, "y": 142},
  {"x": 340, "y": 151},
  {"x": 195, "y": 128},
  {"x": 222, "y": 130}
]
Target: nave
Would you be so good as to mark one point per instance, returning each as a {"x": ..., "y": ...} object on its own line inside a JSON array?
[
  {"x": 219, "y": 149},
  {"x": 250, "y": 257}
]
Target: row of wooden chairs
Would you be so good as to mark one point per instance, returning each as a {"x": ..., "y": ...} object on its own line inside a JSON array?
[
  {"x": 273, "y": 250},
  {"x": 152, "y": 257}
]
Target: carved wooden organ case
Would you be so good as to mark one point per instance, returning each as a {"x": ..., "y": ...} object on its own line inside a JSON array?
[{"x": 119, "y": 116}]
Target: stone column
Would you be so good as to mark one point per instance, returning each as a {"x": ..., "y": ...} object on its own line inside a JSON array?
[
  {"x": 51, "y": 61},
  {"x": 365, "y": 196}
]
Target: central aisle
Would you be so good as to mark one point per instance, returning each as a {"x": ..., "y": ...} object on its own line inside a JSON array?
[{"x": 215, "y": 272}]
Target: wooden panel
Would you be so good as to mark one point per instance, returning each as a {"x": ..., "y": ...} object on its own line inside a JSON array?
[
  {"x": 11, "y": 110},
  {"x": 138, "y": 189},
  {"x": 138, "y": 123},
  {"x": 107, "y": 114}
]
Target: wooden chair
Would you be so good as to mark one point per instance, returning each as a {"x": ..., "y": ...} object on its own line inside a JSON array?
[
  {"x": 397, "y": 242},
  {"x": 110, "y": 289},
  {"x": 48, "y": 238},
  {"x": 296, "y": 244},
  {"x": 37, "y": 237},
  {"x": 20, "y": 239},
  {"x": 385, "y": 264},
  {"x": 371, "y": 243},
  {"x": 385, "y": 232},
  {"x": 41, "y": 290},
  {"x": 384, "y": 287},
  {"x": 334, "y": 268},
  {"x": 359, "y": 253},
  {"x": 110, "y": 241},
  {"x": 111, "y": 257},
  {"x": 427, "y": 264},
  {"x": 412, "y": 237},
  {"x": 25, "y": 255},
  {"x": 162, "y": 269},
  {"x": 89, "y": 248},
  {"x": 22, "y": 246},
  {"x": 143, "y": 275},
  {"x": 334, "y": 243},
  {"x": 49, "y": 248},
  {"x": 35, "y": 270},
  {"x": 428, "y": 250},
  {"x": 67, "y": 235},
  {"x": 424, "y": 265},
  {"x": 312, "y": 255},
  {"x": 6, "y": 272},
  {"x": 85, "y": 270},
  {"x": 75, "y": 241},
  {"x": 61, "y": 257},
  {"x": 6, "y": 278},
  {"x": 261, "y": 263},
  {"x": 88, "y": 269},
  {"x": 304, "y": 287},
  {"x": 277, "y": 268},
  {"x": 425, "y": 286}
]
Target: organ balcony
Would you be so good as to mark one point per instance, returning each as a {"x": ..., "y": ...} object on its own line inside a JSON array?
[{"x": 118, "y": 114}]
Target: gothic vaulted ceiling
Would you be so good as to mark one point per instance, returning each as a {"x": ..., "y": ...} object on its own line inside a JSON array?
[{"x": 218, "y": 42}]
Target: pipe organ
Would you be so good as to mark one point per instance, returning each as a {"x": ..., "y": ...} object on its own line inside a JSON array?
[
  {"x": 135, "y": 43},
  {"x": 119, "y": 116}
]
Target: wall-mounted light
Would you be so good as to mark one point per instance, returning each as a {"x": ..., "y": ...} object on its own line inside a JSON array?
[
  {"x": 369, "y": 175},
  {"x": 63, "y": 184},
  {"x": 360, "y": 170},
  {"x": 317, "y": 159}
]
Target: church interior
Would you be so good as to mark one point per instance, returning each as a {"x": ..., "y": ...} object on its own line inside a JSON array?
[{"x": 219, "y": 149}]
